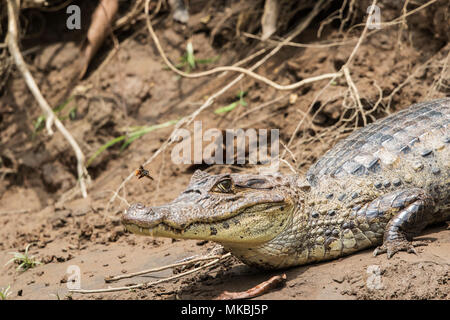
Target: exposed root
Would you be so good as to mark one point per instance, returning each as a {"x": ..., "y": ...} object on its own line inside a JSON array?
[
  {"x": 351, "y": 6},
  {"x": 396, "y": 21},
  {"x": 355, "y": 93},
  {"x": 345, "y": 66},
  {"x": 137, "y": 9},
  {"x": 269, "y": 18},
  {"x": 231, "y": 68},
  {"x": 444, "y": 76},
  {"x": 13, "y": 46},
  {"x": 405, "y": 82},
  {"x": 324, "y": 44},
  {"x": 258, "y": 290},
  {"x": 337, "y": 15}
]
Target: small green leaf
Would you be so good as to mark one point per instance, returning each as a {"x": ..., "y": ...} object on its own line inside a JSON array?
[
  {"x": 190, "y": 55},
  {"x": 25, "y": 262},
  {"x": 73, "y": 113},
  {"x": 227, "y": 108},
  {"x": 5, "y": 292},
  {"x": 135, "y": 133},
  {"x": 241, "y": 94},
  {"x": 62, "y": 105},
  {"x": 144, "y": 130},
  {"x": 39, "y": 123},
  {"x": 208, "y": 60},
  {"x": 103, "y": 148}
]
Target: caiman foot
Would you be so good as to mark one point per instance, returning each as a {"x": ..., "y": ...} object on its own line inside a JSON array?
[
  {"x": 415, "y": 210},
  {"x": 391, "y": 248}
]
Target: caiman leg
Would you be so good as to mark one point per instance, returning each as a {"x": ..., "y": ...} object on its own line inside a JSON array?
[{"x": 409, "y": 211}]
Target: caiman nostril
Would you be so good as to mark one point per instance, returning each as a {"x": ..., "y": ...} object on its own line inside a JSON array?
[{"x": 139, "y": 206}]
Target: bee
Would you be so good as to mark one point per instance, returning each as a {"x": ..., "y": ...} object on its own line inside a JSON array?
[{"x": 141, "y": 172}]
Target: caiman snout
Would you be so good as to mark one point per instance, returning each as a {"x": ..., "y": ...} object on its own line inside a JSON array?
[{"x": 138, "y": 214}]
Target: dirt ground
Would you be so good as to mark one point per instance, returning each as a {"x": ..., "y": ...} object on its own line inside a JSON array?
[{"x": 40, "y": 205}]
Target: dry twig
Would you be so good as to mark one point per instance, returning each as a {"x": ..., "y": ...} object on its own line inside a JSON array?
[
  {"x": 257, "y": 290},
  {"x": 174, "y": 265},
  {"x": 150, "y": 284},
  {"x": 325, "y": 44},
  {"x": 354, "y": 90}
]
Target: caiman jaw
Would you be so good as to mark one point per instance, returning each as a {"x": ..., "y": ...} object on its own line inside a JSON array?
[
  {"x": 231, "y": 209},
  {"x": 248, "y": 225}
]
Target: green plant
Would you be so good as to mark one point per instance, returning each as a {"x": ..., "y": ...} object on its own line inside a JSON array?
[
  {"x": 39, "y": 123},
  {"x": 56, "y": 295},
  {"x": 135, "y": 133},
  {"x": 189, "y": 62},
  {"x": 4, "y": 293},
  {"x": 233, "y": 105},
  {"x": 24, "y": 261}
]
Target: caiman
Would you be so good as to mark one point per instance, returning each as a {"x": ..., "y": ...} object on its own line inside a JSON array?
[{"x": 379, "y": 187}]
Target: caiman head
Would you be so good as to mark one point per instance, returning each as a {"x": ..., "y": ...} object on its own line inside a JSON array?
[{"x": 231, "y": 209}]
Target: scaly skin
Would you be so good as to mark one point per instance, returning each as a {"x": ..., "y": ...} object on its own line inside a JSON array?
[{"x": 379, "y": 187}]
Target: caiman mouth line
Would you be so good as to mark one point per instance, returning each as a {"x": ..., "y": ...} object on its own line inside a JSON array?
[{"x": 143, "y": 227}]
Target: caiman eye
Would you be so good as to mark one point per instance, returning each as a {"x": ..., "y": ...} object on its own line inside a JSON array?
[{"x": 224, "y": 186}]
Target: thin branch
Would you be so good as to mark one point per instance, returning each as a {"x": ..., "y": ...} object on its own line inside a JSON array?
[
  {"x": 149, "y": 284},
  {"x": 50, "y": 116},
  {"x": 405, "y": 82},
  {"x": 397, "y": 20},
  {"x": 304, "y": 45},
  {"x": 361, "y": 38},
  {"x": 174, "y": 265},
  {"x": 355, "y": 92},
  {"x": 230, "y": 68}
]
